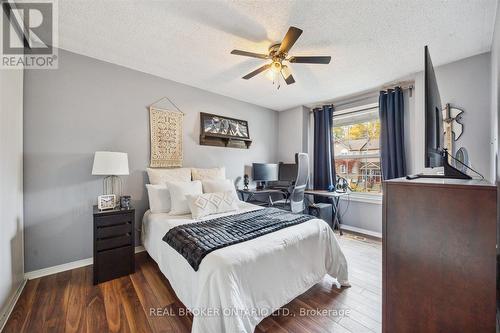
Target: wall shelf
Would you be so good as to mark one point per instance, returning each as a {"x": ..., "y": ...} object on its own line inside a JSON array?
[{"x": 220, "y": 140}]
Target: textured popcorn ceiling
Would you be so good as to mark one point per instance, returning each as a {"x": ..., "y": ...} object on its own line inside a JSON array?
[{"x": 371, "y": 42}]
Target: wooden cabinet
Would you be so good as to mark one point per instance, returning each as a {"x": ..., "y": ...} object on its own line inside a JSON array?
[
  {"x": 439, "y": 256},
  {"x": 114, "y": 243}
]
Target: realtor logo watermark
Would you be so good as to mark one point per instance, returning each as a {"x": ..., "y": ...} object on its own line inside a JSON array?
[{"x": 29, "y": 34}]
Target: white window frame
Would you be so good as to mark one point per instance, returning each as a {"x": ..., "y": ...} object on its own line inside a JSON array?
[{"x": 374, "y": 198}]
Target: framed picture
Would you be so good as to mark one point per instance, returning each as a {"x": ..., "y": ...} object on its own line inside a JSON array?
[
  {"x": 223, "y": 131},
  {"x": 213, "y": 124}
]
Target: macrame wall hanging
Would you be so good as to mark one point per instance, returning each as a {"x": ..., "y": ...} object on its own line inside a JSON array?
[{"x": 166, "y": 136}]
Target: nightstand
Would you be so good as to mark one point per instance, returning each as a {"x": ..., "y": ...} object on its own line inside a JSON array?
[{"x": 114, "y": 243}]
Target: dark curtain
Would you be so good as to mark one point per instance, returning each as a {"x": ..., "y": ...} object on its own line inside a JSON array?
[
  {"x": 392, "y": 147},
  {"x": 324, "y": 164}
]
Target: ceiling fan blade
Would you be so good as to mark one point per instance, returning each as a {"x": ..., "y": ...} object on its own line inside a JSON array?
[
  {"x": 289, "y": 79},
  {"x": 257, "y": 71},
  {"x": 250, "y": 54},
  {"x": 311, "y": 60},
  {"x": 290, "y": 38},
  {"x": 287, "y": 75}
]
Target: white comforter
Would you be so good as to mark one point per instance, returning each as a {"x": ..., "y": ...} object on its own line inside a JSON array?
[{"x": 239, "y": 285}]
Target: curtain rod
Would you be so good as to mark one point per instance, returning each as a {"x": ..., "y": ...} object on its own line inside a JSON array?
[
  {"x": 351, "y": 101},
  {"x": 405, "y": 85}
]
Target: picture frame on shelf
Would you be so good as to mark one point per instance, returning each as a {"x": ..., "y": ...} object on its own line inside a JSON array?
[{"x": 216, "y": 130}]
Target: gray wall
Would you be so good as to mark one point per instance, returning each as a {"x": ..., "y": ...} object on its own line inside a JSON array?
[
  {"x": 293, "y": 131},
  {"x": 88, "y": 105},
  {"x": 11, "y": 187},
  {"x": 495, "y": 96}
]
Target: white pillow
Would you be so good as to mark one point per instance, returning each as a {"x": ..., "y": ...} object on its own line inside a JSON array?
[
  {"x": 178, "y": 193},
  {"x": 159, "y": 198},
  {"x": 161, "y": 176},
  {"x": 206, "y": 174},
  {"x": 212, "y": 203},
  {"x": 211, "y": 186}
]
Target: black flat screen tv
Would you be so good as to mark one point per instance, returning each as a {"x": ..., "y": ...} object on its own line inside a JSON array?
[
  {"x": 434, "y": 135},
  {"x": 435, "y": 153}
]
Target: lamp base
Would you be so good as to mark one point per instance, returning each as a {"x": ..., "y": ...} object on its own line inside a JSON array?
[{"x": 113, "y": 185}]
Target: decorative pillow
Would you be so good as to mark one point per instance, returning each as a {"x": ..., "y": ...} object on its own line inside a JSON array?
[
  {"x": 159, "y": 198},
  {"x": 208, "y": 174},
  {"x": 212, "y": 203},
  {"x": 178, "y": 193},
  {"x": 161, "y": 176},
  {"x": 211, "y": 186}
]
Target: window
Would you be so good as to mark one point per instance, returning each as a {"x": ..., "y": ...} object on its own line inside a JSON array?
[{"x": 356, "y": 137}]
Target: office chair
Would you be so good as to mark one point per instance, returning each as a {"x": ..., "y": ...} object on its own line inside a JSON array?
[{"x": 295, "y": 201}]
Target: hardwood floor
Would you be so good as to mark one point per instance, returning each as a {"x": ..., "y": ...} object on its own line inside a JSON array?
[{"x": 69, "y": 302}]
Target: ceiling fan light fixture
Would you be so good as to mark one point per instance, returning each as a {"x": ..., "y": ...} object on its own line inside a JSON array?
[
  {"x": 276, "y": 67},
  {"x": 271, "y": 75}
]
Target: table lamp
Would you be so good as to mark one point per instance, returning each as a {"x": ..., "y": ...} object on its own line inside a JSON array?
[{"x": 112, "y": 165}]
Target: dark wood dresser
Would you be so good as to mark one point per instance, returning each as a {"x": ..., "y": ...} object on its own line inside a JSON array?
[
  {"x": 114, "y": 243},
  {"x": 439, "y": 265}
]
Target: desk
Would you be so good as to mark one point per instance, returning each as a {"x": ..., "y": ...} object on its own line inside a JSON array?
[
  {"x": 335, "y": 197},
  {"x": 264, "y": 192}
]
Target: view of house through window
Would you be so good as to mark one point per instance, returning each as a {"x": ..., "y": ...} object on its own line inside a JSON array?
[{"x": 356, "y": 138}]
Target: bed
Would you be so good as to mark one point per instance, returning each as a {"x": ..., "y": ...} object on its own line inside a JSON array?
[{"x": 237, "y": 286}]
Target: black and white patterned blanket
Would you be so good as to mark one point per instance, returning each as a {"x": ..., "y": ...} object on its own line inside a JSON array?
[{"x": 195, "y": 240}]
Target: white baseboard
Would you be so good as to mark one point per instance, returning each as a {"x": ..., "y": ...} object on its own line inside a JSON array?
[
  {"x": 66, "y": 267},
  {"x": 361, "y": 231},
  {"x": 57, "y": 269},
  {"x": 9, "y": 306}
]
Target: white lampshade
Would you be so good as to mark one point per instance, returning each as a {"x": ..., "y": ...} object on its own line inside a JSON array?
[{"x": 108, "y": 163}]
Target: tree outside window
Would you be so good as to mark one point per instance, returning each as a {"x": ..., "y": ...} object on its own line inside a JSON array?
[{"x": 356, "y": 139}]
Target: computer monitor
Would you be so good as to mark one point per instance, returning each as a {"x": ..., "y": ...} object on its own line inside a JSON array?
[
  {"x": 264, "y": 172},
  {"x": 287, "y": 172}
]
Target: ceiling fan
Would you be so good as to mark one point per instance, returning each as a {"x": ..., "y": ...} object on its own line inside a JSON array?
[{"x": 278, "y": 54}]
